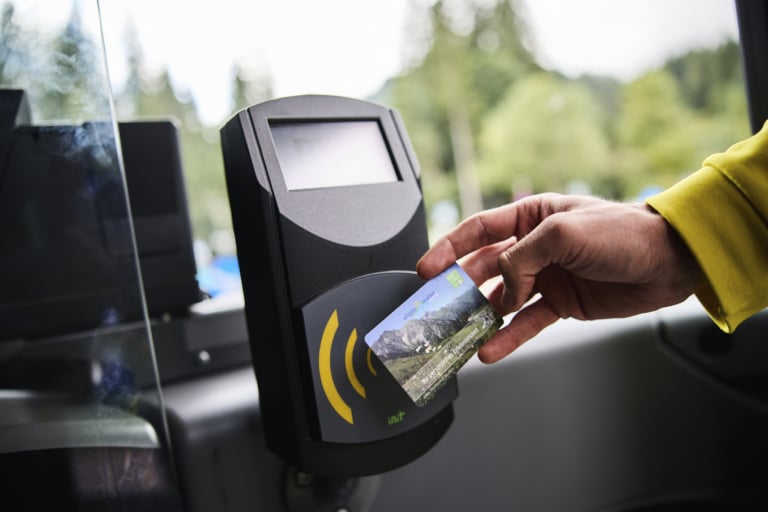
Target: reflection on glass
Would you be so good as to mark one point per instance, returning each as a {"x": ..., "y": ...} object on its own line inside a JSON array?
[{"x": 79, "y": 397}]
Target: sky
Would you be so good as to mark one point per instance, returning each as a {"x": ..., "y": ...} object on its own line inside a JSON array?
[
  {"x": 350, "y": 47},
  {"x": 622, "y": 38},
  {"x": 345, "y": 47}
]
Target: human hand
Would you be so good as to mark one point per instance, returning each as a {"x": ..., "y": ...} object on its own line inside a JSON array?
[{"x": 586, "y": 258}]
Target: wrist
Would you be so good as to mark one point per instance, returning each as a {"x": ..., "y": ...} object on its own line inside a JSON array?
[{"x": 680, "y": 261}]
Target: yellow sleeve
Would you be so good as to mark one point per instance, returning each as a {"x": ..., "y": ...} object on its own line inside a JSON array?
[{"x": 721, "y": 211}]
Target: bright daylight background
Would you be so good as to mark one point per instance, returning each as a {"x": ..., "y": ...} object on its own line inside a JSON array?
[
  {"x": 501, "y": 98},
  {"x": 350, "y": 47}
]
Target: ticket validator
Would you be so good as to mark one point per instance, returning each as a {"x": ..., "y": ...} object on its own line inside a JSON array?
[{"x": 329, "y": 223}]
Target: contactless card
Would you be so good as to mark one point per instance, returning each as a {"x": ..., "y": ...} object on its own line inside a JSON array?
[{"x": 434, "y": 333}]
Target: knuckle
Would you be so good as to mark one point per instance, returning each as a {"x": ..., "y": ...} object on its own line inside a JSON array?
[{"x": 557, "y": 228}]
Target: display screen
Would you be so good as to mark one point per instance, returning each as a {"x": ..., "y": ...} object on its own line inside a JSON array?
[{"x": 332, "y": 154}]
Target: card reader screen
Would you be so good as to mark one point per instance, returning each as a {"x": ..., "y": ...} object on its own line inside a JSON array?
[{"x": 332, "y": 154}]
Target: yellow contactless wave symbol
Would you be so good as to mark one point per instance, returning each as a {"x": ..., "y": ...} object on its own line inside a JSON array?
[{"x": 326, "y": 377}]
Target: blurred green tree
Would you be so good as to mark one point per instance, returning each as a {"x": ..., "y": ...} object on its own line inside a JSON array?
[
  {"x": 14, "y": 54},
  {"x": 474, "y": 51},
  {"x": 147, "y": 94},
  {"x": 711, "y": 83},
  {"x": 657, "y": 130},
  {"x": 545, "y": 135},
  {"x": 151, "y": 94},
  {"x": 74, "y": 75},
  {"x": 704, "y": 74}
]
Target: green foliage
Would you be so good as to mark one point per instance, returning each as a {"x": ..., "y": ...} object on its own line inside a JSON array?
[
  {"x": 200, "y": 150},
  {"x": 13, "y": 48},
  {"x": 656, "y": 125},
  {"x": 498, "y": 55},
  {"x": 704, "y": 76},
  {"x": 544, "y": 135},
  {"x": 77, "y": 70},
  {"x": 660, "y": 129},
  {"x": 535, "y": 131},
  {"x": 64, "y": 73},
  {"x": 473, "y": 58}
]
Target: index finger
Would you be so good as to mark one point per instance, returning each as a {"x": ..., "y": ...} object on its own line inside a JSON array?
[{"x": 479, "y": 230}]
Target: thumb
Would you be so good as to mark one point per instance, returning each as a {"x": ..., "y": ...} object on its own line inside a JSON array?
[{"x": 520, "y": 265}]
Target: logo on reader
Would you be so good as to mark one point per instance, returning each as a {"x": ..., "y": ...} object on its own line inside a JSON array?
[{"x": 326, "y": 377}]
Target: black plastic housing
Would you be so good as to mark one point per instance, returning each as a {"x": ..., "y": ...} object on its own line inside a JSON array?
[{"x": 302, "y": 254}]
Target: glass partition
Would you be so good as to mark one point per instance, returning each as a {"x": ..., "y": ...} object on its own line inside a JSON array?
[{"x": 81, "y": 417}]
